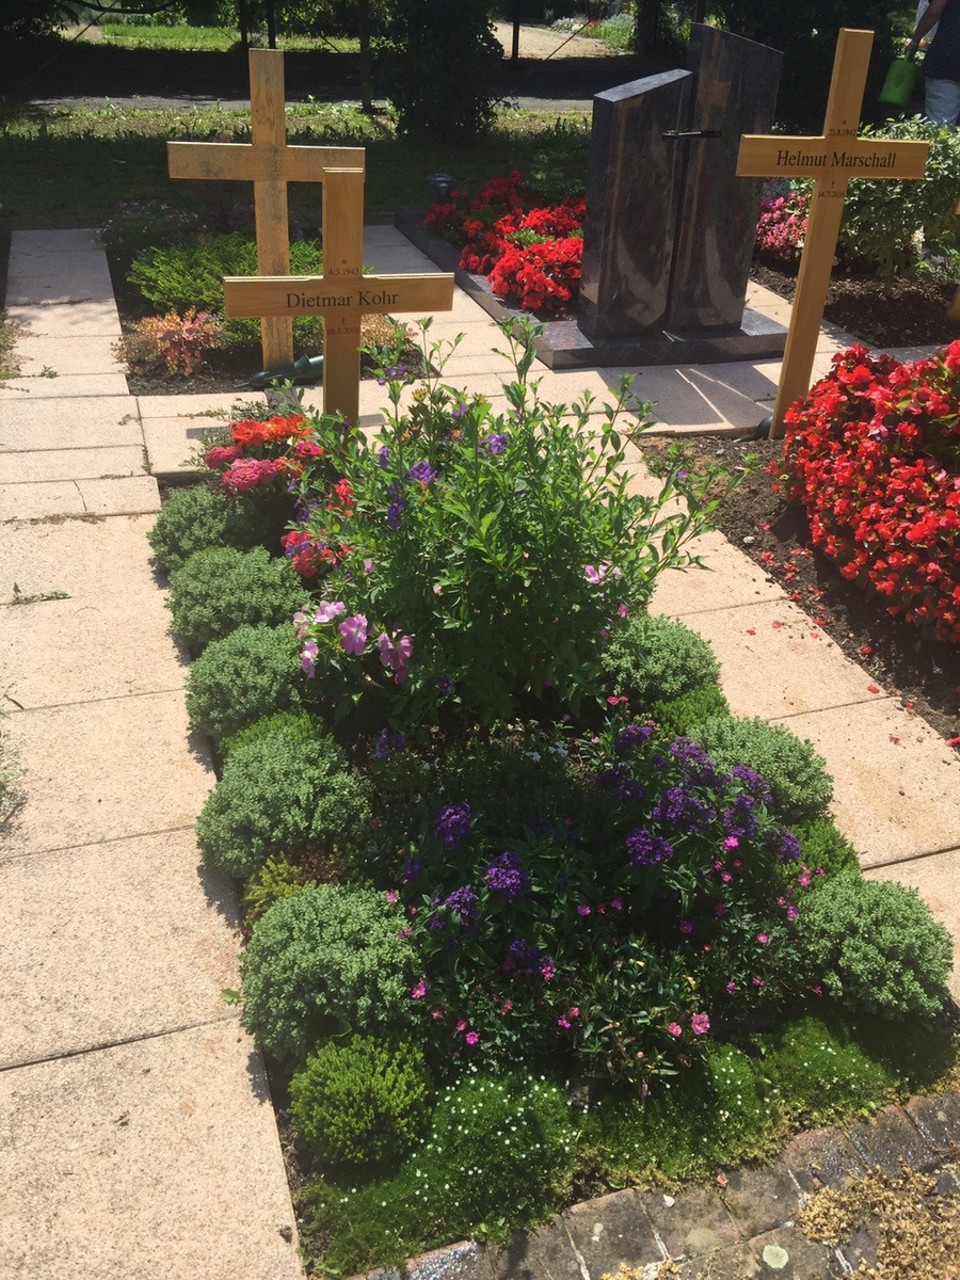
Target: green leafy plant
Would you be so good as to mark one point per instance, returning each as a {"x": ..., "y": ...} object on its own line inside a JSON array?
[
  {"x": 824, "y": 847},
  {"x": 221, "y": 588},
  {"x": 293, "y": 726},
  {"x": 678, "y": 716},
  {"x": 653, "y": 660},
  {"x": 876, "y": 947},
  {"x": 329, "y": 960},
  {"x": 243, "y": 677},
  {"x": 505, "y": 552},
  {"x": 137, "y": 223},
  {"x": 274, "y": 880},
  {"x": 797, "y": 776},
  {"x": 363, "y": 1102},
  {"x": 281, "y": 795}
]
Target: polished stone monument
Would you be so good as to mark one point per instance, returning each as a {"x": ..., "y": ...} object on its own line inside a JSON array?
[{"x": 669, "y": 232}]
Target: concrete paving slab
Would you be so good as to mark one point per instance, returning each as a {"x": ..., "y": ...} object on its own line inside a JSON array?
[
  {"x": 487, "y": 362},
  {"x": 80, "y": 319},
  {"x": 81, "y": 276},
  {"x": 98, "y": 771},
  {"x": 383, "y": 233},
  {"x": 65, "y": 980},
  {"x": 157, "y": 1159},
  {"x": 172, "y": 442},
  {"x": 217, "y": 404},
  {"x": 481, "y": 338},
  {"x": 91, "y": 557},
  {"x": 688, "y": 398},
  {"x": 109, "y": 648},
  {"x": 937, "y": 880},
  {"x": 40, "y": 501},
  {"x": 729, "y": 579},
  {"x": 66, "y": 355},
  {"x": 129, "y": 495},
  {"x": 70, "y": 464},
  {"x": 69, "y": 424},
  {"x": 896, "y": 784},
  {"x": 62, "y": 387},
  {"x": 803, "y": 669}
]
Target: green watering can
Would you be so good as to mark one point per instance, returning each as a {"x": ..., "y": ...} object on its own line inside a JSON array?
[{"x": 900, "y": 83}]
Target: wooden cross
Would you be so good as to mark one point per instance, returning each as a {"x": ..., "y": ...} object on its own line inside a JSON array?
[
  {"x": 269, "y": 164},
  {"x": 831, "y": 160},
  {"x": 342, "y": 294}
]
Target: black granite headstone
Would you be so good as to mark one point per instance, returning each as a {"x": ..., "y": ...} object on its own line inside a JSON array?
[
  {"x": 633, "y": 192},
  {"x": 736, "y": 89}
]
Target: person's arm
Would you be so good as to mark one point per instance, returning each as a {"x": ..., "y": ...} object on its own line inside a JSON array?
[{"x": 930, "y": 17}]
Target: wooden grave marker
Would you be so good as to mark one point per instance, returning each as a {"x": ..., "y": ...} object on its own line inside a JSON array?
[
  {"x": 342, "y": 294},
  {"x": 831, "y": 160},
  {"x": 269, "y": 164}
]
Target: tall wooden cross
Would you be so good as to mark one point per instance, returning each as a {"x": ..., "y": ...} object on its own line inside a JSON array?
[
  {"x": 831, "y": 160},
  {"x": 342, "y": 294},
  {"x": 269, "y": 164}
]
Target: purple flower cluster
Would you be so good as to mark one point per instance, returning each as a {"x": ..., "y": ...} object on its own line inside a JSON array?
[
  {"x": 423, "y": 472},
  {"x": 395, "y": 507},
  {"x": 618, "y": 783},
  {"x": 460, "y": 906},
  {"x": 388, "y": 742},
  {"x": 676, "y": 807},
  {"x": 495, "y": 443},
  {"x": 453, "y": 825},
  {"x": 506, "y": 876},
  {"x": 645, "y": 849},
  {"x": 633, "y": 736}
]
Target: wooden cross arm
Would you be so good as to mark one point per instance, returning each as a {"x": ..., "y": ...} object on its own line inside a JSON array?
[
  {"x": 840, "y": 157},
  {"x": 245, "y": 162},
  {"x": 247, "y": 296}
]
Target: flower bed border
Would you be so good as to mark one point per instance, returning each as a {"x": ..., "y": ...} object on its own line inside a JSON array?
[{"x": 563, "y": 346}]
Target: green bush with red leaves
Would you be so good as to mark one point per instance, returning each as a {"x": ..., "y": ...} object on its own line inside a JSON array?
[{"x": 874, "y": 455}]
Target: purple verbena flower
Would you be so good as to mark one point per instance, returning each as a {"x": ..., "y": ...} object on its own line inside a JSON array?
[
  {"x": 453, "y": 825},
  {"x": 506, "y": 876},
  {"x": 647, "y": 850}
]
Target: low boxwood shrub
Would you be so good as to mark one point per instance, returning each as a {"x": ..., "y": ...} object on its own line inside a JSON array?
[
  {"x": 330, "y": 960},
  {"x": 824, "y": 848},
  {"x": 363, "y": 1102},
  {"x": 656, "y": 660},
  {"x": 193, "y": 518},
  {"x": 796, "y": 774},
  {"x": 877, "y": 948},
  {"x": 243, "y": 677},
  {"x": 281, "y": 795},
  {"x": 222, "y": 588}
]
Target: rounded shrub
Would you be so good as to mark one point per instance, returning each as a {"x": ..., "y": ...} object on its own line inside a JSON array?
[
  {"x": 800, "y": 786},
  {"x": 823, "y": 846},
  {"x": 327, "y": 961},
  {"x": 222, "y": 588},
  {"x": 274, "y": 880},
  {"x": 243, "y": 677},
  {"x": 876, "y": 948},
  {"x": 190, "y": 520},
  {"x": 654, "y": 660},
  {"x": 486, "y": 1135},
  {"x": 281, "y": 795},
  {"x": 361, "y": 1103}
]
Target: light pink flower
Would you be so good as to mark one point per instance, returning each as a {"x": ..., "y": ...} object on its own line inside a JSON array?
[
  {"x": 472, "y": 1038},
  {"x": 327, "y": 610},
  {"x": 394, "y": 654},
  {"x": 675, "y": 1029},
  {"x": 353, "y": 634},
  {"x": 699, "y": 1024}
]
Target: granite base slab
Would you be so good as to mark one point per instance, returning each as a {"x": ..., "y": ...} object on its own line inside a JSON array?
[{"x": 563, "y": 346}]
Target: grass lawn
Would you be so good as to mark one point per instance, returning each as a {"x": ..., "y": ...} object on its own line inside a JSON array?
[
  {"x": 72, "y": 166},
  {"x": 183, "y": 38}
]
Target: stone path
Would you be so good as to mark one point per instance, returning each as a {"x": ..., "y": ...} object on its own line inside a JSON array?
[{"x": 137, "y": 1135}]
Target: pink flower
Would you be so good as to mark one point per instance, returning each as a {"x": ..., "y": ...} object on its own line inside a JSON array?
[
  {"x": 247, "y": 473},
  {"x": 573, "y": 1012},
  {"x": 547, "y": 970},
  {"x": 616, "y": 904},
  {"x": 472, "y": 1038},
  {"x": 461, "y": 1026},
  {"x": 394, "y": 654},
  {"x": 308, "y": 659},
  {"x": 436, "y": 1015},
  {"x": 675, "y": 1029},
  {"x": 353, "y": 634},
  {"x": 595, "y": 574},
  {"x": 419, "y": 991},
  {"x": 699, "y": 1024},
  {"x": 730, "y": 843},
  {"x": 731, "y": 988},
  {"x": 763, "y": 939},
  {"x": 562, "y": 1022},
  {"x": 327, "y": 610},
  {"x": 392, "y": 895}
]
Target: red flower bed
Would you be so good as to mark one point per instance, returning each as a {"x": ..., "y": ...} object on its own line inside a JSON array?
[
  {"x": 530, "y": 254},
  {"x": 874, "y": 454}
]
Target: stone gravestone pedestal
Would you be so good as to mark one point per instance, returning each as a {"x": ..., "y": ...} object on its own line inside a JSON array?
[{"x": 669, "y": 233}]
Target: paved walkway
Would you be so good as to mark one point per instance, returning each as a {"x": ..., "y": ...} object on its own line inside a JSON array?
[{"x": 137, "y": 1133}]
